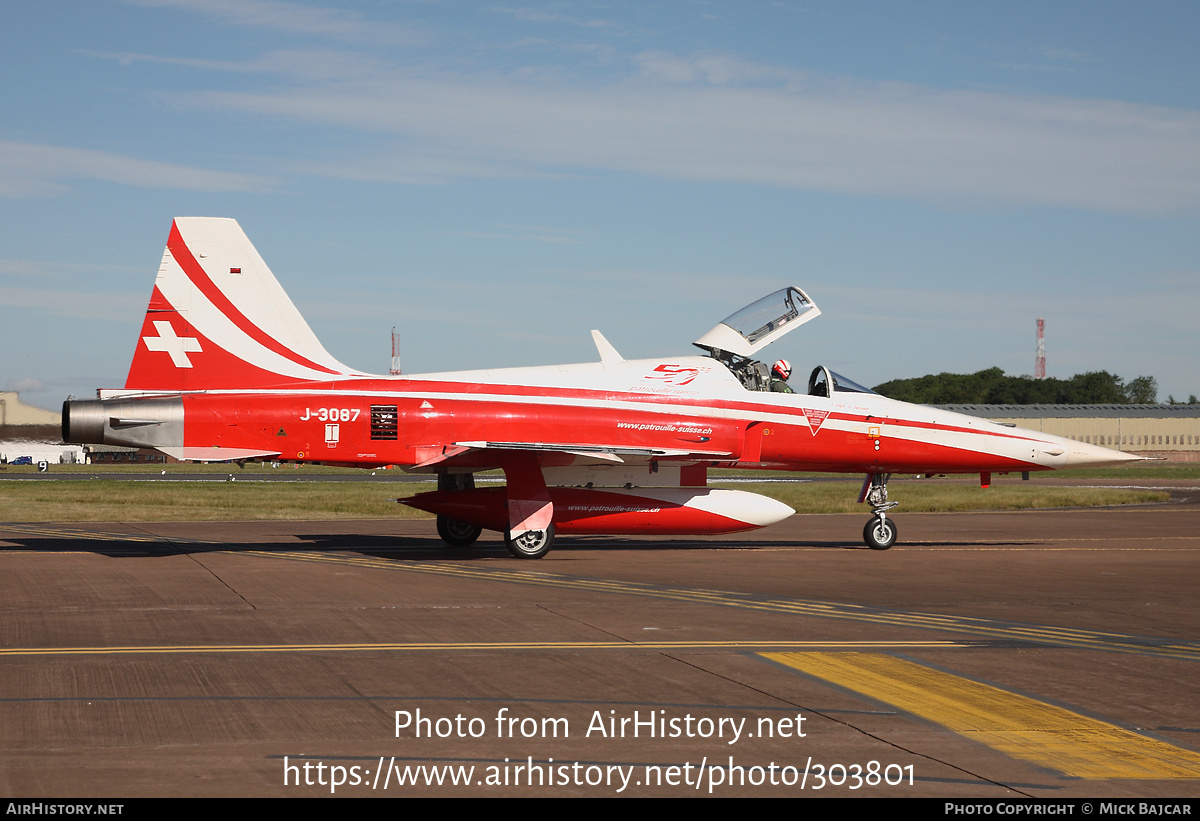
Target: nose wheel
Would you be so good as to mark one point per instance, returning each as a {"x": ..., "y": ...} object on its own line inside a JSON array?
[{"x": 880, "y": 531}]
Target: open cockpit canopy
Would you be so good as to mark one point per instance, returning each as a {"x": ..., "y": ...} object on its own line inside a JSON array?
[
  {"x": 759, "y": 324},
  {"x": 744, "y": 333}
]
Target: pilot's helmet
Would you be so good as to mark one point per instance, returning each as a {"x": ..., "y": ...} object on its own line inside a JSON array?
[{"x": 782, "y": 369}]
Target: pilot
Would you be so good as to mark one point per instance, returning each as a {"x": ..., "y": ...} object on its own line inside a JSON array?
[{"x": 780, "y": 372}]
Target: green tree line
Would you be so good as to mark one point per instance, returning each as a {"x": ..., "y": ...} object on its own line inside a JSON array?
[{"x": 992, "y": 387}]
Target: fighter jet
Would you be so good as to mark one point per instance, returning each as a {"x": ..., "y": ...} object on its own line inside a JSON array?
[{"x": 226, "y": 369}]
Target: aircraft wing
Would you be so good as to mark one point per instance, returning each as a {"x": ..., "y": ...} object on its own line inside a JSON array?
[
  {"x": 477, "y": 453},
  {"x": 215, "y": 454}
]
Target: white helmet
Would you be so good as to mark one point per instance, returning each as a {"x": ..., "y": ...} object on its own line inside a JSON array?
[{"x": 782, "y": 369}]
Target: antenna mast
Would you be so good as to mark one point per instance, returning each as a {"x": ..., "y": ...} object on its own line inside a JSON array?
[
  {"x": 395, "y": 371},
  {"x": 1039, "y": 365}
]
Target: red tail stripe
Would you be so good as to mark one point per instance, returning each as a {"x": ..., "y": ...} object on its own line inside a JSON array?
[{"x": 199, "y": 277}]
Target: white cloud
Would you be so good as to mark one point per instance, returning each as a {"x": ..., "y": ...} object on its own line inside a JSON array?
[
  {"x": 45, "y": 271},
  {"x": 712, "y": 69},
  {"x": 724, "y": 120},
  {"x": 26, "y": 385},
  {"x": 292, "y": 18},
  {"x": 32, "y": 170},
  {"x": 1066, "y": 55},
  {"x": 74, "y": 304},
  {"x": 532, "y": 15},
  {"x": 525, "y": 233},
  {"x": 310, "y": 65}
]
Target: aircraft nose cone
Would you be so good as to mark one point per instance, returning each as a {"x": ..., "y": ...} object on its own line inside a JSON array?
[{"x": 1083, "y": 455}]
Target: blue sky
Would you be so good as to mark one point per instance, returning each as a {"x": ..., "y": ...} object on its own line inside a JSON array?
[{"x": 497, "y": 179}]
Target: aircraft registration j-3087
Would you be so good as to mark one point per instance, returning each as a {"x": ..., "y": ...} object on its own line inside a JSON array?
[{"x": 226, "y": 369}]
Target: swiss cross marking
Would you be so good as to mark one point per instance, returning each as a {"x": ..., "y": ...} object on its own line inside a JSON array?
[{"x": 176, "y": 346}]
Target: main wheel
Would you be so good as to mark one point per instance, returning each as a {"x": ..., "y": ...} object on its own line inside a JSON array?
[
  {"x": 880, "y": 533},
  {"x": 457, "y": 533},
  {"x": 532, "y": 544}
]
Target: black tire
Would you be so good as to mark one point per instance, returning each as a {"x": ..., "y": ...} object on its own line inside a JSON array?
[
  {"x": 457, "y": 533},
  {"x": 880, "y": 533},
  {"x": 532, "y": 544}
]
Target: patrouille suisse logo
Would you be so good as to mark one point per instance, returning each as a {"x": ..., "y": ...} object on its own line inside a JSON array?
[
  {"x": 816, "y": 418},
  {"x": 674, "y": 374}
]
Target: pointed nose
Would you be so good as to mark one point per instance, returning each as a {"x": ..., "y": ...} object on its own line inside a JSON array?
[{"x": 1083, "y": 455}]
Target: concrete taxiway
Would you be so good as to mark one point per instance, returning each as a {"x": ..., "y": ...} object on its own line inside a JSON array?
[{"x": 988, "y": 655}]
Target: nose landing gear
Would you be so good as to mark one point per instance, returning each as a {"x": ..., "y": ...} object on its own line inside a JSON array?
[{"x": 880, "y": 531}]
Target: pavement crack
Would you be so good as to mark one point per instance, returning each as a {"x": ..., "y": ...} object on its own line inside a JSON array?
[
  {"x": 227, "y": 586},
  {"x": 583, "y": 623},
  {"x": 191, "y": 555}
]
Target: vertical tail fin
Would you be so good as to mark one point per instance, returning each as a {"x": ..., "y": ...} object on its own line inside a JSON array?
[{"x": 218, "y": 318}]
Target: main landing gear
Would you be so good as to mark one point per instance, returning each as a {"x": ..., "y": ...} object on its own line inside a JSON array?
[
  {"x": 455, "y": 532},
  {"x": 527, "y": 507},
  {"x": 880, "y": 531},
  {"x": 532, "y": 544}
]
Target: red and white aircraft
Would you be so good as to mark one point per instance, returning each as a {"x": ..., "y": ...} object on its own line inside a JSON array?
[{"x": 226, "y": 369}]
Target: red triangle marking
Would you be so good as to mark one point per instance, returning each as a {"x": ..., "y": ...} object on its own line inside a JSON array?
[{"x": 816, "y": 418}]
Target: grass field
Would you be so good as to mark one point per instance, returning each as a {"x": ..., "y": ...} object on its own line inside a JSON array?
[
  {"x": 185, "y": 468},
  {"x": 920, "y": 496},
  {"x": 119, "y": 500}
]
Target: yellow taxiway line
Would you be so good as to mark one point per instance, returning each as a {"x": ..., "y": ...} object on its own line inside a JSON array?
[{"x": 1018, "y": 726}]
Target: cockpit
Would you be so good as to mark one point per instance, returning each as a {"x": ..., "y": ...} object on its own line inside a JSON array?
[
  {"x": 737, "y": 338},
  {"x": 822, "y": 378}
]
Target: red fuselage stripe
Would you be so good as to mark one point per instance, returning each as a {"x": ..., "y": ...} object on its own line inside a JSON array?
[{"x": 655, "y": 403}]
